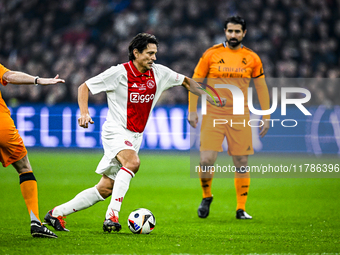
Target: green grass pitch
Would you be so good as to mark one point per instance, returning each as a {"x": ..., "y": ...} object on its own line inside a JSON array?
[{"x": 290, "y": 215}]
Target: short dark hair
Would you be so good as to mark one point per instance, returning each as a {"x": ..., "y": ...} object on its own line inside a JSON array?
[
  {"x": 140, "y": 42},
  {"x": 236, "y": 20}
]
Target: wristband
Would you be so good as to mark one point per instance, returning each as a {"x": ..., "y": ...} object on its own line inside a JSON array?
[{"x": 36, "y": 80}]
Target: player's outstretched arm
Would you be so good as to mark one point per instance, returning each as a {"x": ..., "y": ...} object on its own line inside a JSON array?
[
  {"x": 83, "y": 99},
  {"x": 16, "y": 77},
  {"x": 192, "y": 106},
  {"x": 196, "y": 89}
]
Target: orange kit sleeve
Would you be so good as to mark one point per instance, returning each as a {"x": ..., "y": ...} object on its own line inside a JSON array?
[
  {"x": 2, "y": 71},
  {"x": 201, "y": 71},
  {"x": 261, "y": 86},
  {"x": 257, "y": 68}
]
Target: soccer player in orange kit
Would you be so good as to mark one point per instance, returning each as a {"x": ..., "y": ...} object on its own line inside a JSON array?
[
  {"x": 229, "y": 63},
  {"x": 13, "y": 151}
]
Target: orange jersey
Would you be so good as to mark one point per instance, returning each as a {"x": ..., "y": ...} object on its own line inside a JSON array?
[
  {"x": 222, "y": 65},
  {"x": 3, "y": 106}
]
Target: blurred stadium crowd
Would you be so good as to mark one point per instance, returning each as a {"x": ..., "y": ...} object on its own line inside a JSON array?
[{"x": 81, "y": 38}]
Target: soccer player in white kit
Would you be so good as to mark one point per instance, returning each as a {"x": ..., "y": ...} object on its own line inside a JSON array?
[{"x": 132, "y": 89}]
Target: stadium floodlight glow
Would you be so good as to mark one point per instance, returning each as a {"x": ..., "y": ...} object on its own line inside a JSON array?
[{"x": 238, "y": 100}]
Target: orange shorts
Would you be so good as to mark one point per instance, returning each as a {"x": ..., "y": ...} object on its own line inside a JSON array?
[
  {"x": 12, "y": 147},
  {"x": 234, "y": 128}
]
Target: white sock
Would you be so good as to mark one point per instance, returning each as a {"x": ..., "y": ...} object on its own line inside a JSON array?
[
  {"x": 83, "y": 200},
  {"x": 33, "y": 217},
  {"x": 120, "y": 188}
]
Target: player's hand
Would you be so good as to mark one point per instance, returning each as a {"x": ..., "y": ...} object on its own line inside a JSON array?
[
  {"x": 218, "y": 103},
  {"x": 48, "y": 81},
  {"x": 84, "y": 120},
  {"x": 193, "y": 119},
  {"x": 264, "y": 129}
]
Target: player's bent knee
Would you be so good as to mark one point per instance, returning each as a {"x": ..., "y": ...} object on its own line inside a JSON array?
[
  {"x": 133, "y": 165},
  {"x": 207, "y": 159},
  {"x": 241, "y": 161},
  {"x": 206, "y": 162}
]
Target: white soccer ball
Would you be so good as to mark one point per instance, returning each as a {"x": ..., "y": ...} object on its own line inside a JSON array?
[{"x": 141, "y": 221}]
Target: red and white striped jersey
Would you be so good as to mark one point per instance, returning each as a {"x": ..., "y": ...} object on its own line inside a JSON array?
[{"x": 131, "y": 95}]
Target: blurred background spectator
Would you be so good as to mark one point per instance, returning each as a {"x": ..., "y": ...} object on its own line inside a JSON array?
[{"x": 81, "y": 38}]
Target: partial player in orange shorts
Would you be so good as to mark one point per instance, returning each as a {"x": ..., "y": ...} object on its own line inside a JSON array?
[
  {"x": 13, "y": 151},
  {"x": 12, "y": 147},
  {"x": 234, "y": 128},
  {"x": 228, "y": 63}
]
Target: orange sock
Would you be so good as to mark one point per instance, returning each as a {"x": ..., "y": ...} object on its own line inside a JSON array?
[
  {"x": 242, "y": 182},
  {"x": 29, "y": 190},
  {"x": 206, "y": 186}
]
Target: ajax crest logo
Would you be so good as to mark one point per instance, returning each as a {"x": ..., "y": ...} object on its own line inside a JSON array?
[{"x": 150, "y": 84}]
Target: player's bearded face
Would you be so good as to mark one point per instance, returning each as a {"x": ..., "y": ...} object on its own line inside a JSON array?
[
  {"x": 234, "y": 34},
  {"x": 233, "y": 42}
]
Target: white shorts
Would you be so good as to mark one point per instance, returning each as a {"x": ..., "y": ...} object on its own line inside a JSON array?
[{"x": 116, "y": 139}]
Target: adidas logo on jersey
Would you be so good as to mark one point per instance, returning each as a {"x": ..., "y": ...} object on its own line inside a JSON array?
[
  {"x": 134, "y": 85},
  {"x": 221, "y": 61}
]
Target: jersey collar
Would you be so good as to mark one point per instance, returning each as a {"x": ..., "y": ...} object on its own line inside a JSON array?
[{"x": 137, "y": 73}]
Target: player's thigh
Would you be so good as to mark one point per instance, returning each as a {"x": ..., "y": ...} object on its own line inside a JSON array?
[
  {"x": 12, "y": 148},
  {"x": 122, "y": 145},
  {"x": 211, "y": 137},
  {"x": 239, "y": 136}
]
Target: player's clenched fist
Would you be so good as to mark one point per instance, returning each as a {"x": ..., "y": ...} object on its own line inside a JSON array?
[{"x": 84, "y": 120}]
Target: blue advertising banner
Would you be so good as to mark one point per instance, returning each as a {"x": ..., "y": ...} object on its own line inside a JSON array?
[{"x": 168, "y": 129}]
